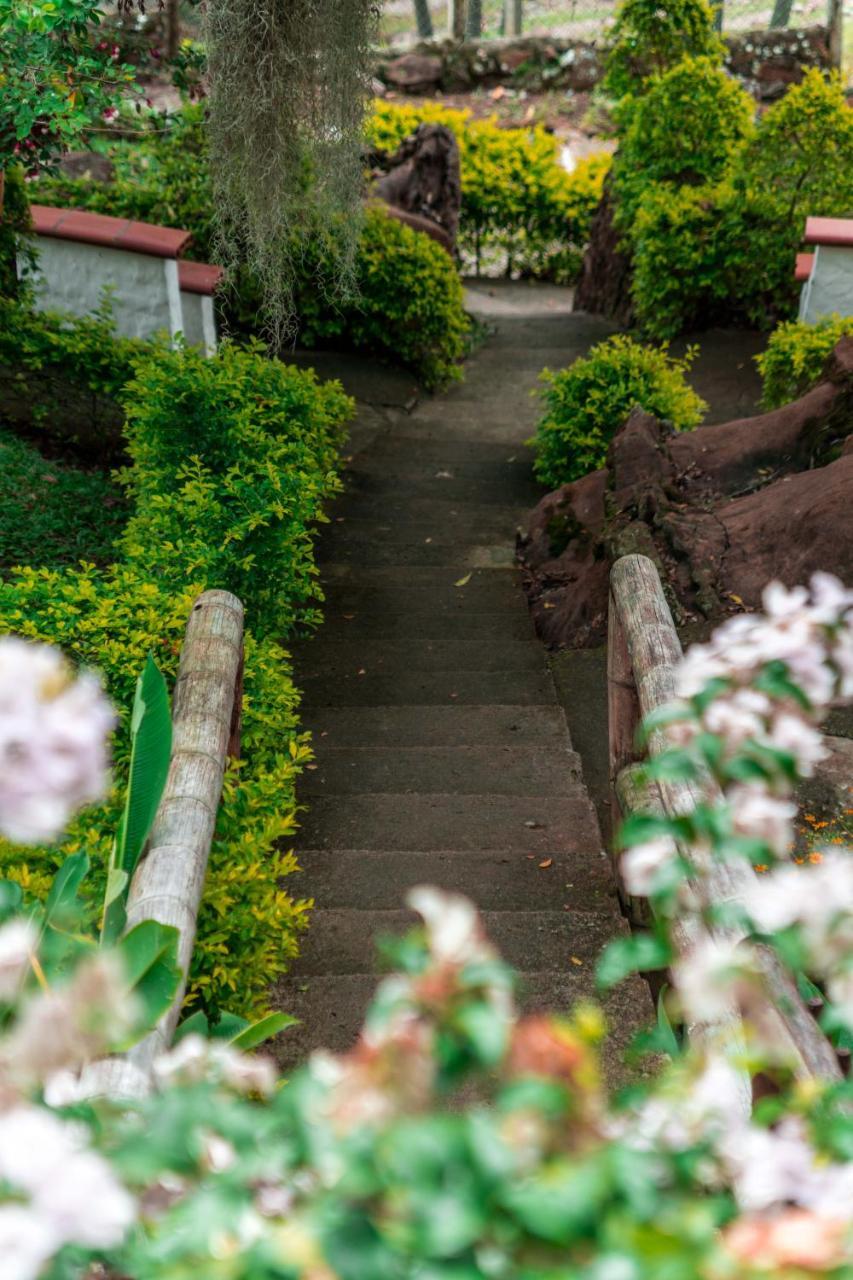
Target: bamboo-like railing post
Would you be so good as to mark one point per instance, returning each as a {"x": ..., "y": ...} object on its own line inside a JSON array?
[
  {"x": 623, "y": 709},
  {"x": 642, "y": 621},
  {"x": 169, "y": 880}
]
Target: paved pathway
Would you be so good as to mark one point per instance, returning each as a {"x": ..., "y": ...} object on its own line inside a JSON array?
[{"x": 443, "y": 755}]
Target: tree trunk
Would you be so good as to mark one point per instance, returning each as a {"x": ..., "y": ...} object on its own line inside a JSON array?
[
  {"x": 173, "y": 28},
  {"x": 512, "y": 18},
  {"x": 474, "y": 20},
  {"x": 456, "y": 19},
  {"x": 423, "y": 20},
  {"x": 781, "y": 15}
]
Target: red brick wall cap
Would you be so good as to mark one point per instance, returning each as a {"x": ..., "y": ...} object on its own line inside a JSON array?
[
  {"x": 830, "y": 231},
  {"x": 112, "y": 233},
  {"x": 199, "y": 277},
  {"x": 804, "y": 266}
]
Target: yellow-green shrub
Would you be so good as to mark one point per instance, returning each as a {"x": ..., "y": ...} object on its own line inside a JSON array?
[
  {"x": 264, "y": 438},
  {"x": 517, "y": 199},
  {"x": 795, "y": 357},
  {"x": 649, "y": 37}
]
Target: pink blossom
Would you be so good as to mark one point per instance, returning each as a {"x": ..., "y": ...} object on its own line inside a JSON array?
[
  {"x": 761, "y": 816},
  {"x": 18, "y": 942},
  {"x": 110, "y": 114},
  {"x": 642, "y": 864}
]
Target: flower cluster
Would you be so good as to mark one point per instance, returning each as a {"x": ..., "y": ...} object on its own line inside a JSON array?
[{"x": 54, "y": 730}]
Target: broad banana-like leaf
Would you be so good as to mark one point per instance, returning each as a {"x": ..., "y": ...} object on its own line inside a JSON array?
[
  {"x": 151, "y": 749},
  {"x": 66, "y": 882},
  {"x": 263, "y": 1029},
  {"x": 149, "y": 954}
]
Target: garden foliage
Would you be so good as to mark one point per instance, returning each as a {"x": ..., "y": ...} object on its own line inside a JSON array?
[
  {"x": 711, "y": 205},
  {"x": 795, "y": 358},
  {"x": 406, "y": 302},
  {"x": 587, "y": 403},
  {"x": 517, "y": 199},
  {"x": 231, "y": 459},
  {"x": 648, "y": 38}
]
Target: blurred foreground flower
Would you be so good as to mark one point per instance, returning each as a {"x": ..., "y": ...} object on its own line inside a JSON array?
[{"x": 53, "y": 741}]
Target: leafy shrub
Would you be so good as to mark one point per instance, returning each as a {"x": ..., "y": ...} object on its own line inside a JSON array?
[
  {"x": 667, "y": 137},
  {"x": 588, "y": 402},
  {"x": 112, "y": 619},
  {"x": 517, "y": 199},
  {"x": 649, "y": 37},
  {"x": 418, "y": 318},
  {"x": 795, "y": 357},
  {"x": 233, "y": 457},
  {"x": 725, "y": 253},
  {"x": 232, "y": 460},
  {"x": 408, "y": 301}
]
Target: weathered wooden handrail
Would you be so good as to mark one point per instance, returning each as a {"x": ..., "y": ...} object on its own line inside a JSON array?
[
  {"x": 169, "y": 880},
  {"x": 643, "y": 652}
]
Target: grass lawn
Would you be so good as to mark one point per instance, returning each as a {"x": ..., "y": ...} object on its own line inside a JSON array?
[{"x": 53, "y": 512}]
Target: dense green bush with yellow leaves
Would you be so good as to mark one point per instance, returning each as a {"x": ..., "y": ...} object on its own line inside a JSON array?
[
  {"x": 665, "y": 134},
  {"x": 587, "y": 403},
  {"x": 725, "y": 252},
  {"x": 231, "y": 459},
  {"x": 517, "y": 199},
  {"x": 649, "y": 37},
  {"x": 795, "y": 356},
  {"x": 406, "y": 303}
]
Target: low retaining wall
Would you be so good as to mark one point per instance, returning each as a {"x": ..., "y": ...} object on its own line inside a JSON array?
[{"x": 766, "y": 61}]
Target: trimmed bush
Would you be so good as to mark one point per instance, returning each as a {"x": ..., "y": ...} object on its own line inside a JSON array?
[
  {"x": 795, "y": 357},
  {"x": 683, "y": 131},
  {"x": 407, "y": 302},
  {"x": 233, "y": 457},
  {"x": 517, "y": 199},
  {"x": 587, "y": 403},
  {"x": 232, "y": 461},
  {"x": 724, "y": 253},
  {"x": 649, "y": 37}
]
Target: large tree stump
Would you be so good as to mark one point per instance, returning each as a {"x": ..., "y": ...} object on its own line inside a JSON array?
[{"x": 421, "y": 182}]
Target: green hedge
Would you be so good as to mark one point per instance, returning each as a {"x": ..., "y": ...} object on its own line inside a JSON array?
[
  {"x": 795, "y": 357},
  {"x": 587, "y": 403},
  {"x": 407, "y": 303},
  {"x": 517, "y": 199},
  {"x": 264, "y": 436},
  {"x": 724, "y": 251}
]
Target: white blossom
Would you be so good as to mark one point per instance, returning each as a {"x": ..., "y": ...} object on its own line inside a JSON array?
[
  {"x": 773, "y": 1167},
  {"x": 799, "y": 739},
  {"x": 18, "y": 941},
  {"x": 194, "y": 1059},
  {"x": 642, "y": 864},
  {"x": 53, "y": 741},
  {"x": 25, "y": 1245},
  {"x": 710, "y": 976},
  {"x": 454, "y": 932},
  {"x": 761, "y": 816},
  {"x": 819, "y": 898}
]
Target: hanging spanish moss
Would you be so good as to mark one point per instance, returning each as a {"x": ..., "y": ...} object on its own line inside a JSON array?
[{"x": 289, "y": 87}]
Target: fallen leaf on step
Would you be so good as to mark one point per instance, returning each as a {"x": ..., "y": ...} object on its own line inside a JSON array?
[
  {"x": 349, "y": 616},
  {"x": 463, "y": 582},
  {"x": 312, "y": 767},
  {"x": 546, "y": 862},
  {"x": 576, "y": 960},
  {"x": 444, "y": 475},
  {"x": 427, "y": 539},
  {"x": 549, "y": 606},
  {"x": 736, "y": 599},
  {"x": 362, "y": 671},
  {"x": 533, "y": 825},
  {"x": 498, "y": 93}
]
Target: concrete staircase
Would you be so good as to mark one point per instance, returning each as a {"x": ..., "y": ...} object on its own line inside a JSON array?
[{"x": 443, "y": 755}]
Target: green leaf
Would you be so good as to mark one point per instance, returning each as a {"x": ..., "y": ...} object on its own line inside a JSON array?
[
  {"x": 151, "y": 748},
  {"x": 150, "y": 956},
  {"x": 263, "y": 1029},
  {"x": 66, "y": 882},
  {"x": 195, "y": 1024},
  {"x": 11, "y": 899},
  {"x": 637, "y": 954}
]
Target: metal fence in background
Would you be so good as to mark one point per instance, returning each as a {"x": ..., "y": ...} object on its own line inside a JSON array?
[{"x": 579, "y": 19}]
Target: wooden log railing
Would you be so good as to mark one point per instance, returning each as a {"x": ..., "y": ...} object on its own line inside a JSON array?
[
  {"x": 169, "y": 879},
  {"x": 643, "y": 651}
]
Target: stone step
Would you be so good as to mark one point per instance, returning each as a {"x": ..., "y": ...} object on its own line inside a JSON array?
[
  {"x": 473, "y": 521},
  {"x": 429, "y": 727},
  {"x": 370, "y": 881},
  {"x": 342, "y": 618},
  {"x": 415, "y": 688},
  {"x": 380, "y": 592},
  {"x": 323, "y": 654},
  {"x": 493, "y": 770},
  {"x": 454, "y": 482},
  {"x": 401, "y": 551},
  {"x": 442, "y": 821},
  {"x": 345, "y": 940},
  {"x": 331, "y": 1011}
]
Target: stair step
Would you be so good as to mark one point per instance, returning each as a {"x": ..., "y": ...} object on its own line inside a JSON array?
[
  {"x": 493, "y": 770},
  {"x": 437, "y": 726},
  {"x": 352, "y": 589},
  {"x": 345, "y": 940},
  {"x": 445, "y": 821},
  {"x": 342, "y": 618},
  {"x": 369, "y": 881},
  {"x": 322, "y": 654},
  {"x": 427, "y": 688}
]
